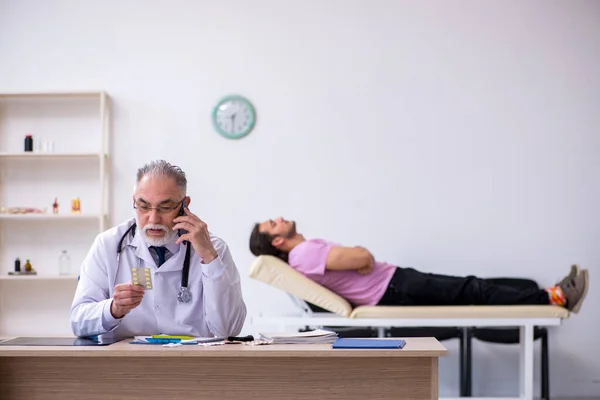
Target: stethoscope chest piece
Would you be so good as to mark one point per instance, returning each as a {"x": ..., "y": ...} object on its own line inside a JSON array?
[{"x": 184, "y": 295}]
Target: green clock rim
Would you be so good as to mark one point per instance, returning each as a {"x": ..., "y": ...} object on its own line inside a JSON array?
[{"x": 252, "y": 117}]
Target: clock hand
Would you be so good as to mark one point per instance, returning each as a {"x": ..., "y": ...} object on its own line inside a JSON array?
[{"x": 233, "y": 123}]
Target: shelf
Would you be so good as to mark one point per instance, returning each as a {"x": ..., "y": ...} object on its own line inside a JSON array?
[
  {"x": 50, "y": 95},
  {"x": 42, "y": 156},
  {"x": 79, "y": 124},
  {"x": 51, "y": 217},
  {"x": 7, "y": 277}
]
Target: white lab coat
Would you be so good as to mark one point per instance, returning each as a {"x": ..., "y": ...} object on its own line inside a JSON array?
[{"x": 217, "y": 307}]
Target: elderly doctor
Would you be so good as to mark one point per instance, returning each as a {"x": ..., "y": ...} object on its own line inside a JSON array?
[{"x": 194, "y": 283}]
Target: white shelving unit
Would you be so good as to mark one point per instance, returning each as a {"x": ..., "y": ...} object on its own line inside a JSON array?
[
  {"x": 42, "y": 156},
  {"x": 49, "y": 217},
  {"x": 38, "y": 278},
  {"x": 71, "y": 133}
]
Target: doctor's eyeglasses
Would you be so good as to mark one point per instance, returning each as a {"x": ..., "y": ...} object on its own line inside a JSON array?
[{"x": 145, "y": 208}]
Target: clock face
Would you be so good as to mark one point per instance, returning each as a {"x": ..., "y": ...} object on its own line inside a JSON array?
[{"x": 234, "y": 117}]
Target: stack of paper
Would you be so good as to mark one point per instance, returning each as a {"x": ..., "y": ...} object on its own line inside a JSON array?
[{"x": 318, "y": 336}]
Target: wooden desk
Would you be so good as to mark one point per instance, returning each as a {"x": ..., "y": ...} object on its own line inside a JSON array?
[{"x": 233, "y": 371}]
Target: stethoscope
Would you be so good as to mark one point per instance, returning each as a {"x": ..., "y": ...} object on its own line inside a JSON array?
[{"x": 184, "y": 295}]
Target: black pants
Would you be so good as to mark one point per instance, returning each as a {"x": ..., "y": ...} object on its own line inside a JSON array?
[{"x": 410, "y": 287}]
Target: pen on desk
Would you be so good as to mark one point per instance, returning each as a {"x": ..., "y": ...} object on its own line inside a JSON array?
[
  {"x": 248, "y": 338},
  {"x": 172, "y": 337}
]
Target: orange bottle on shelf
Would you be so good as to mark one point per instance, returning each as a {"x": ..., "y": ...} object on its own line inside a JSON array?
[{"x": 75, "y": 206}]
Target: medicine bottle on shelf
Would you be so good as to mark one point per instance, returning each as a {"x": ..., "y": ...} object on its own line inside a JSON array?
[
  {"x": 64, "y": 263},
  {"x": 76, "y": 206},
  {"x": 55, "y": 206},
  {"x": 28, "y": 143}
]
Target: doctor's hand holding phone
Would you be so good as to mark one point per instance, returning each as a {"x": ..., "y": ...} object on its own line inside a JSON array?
[{"x": 195, "y": 231}]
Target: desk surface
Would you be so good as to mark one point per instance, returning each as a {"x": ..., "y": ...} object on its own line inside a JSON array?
[
  {"x": 415, "y": 347},
  {"x": 231, "y": 372}
]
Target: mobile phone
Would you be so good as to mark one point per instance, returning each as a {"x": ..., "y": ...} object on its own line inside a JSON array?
[{"x": 181, "y": 212}]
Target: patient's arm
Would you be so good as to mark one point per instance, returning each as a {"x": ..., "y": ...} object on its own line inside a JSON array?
[{"x": 345, "y": 258}]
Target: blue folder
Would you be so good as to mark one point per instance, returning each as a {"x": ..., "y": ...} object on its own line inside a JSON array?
[{"x": 351, "y": 343}]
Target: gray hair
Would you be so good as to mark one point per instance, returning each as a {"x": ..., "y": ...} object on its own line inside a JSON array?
[{"x": 161, "y": 168}]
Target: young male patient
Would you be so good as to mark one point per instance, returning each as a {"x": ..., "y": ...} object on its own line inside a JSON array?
[{"x": 354, "y": 274}]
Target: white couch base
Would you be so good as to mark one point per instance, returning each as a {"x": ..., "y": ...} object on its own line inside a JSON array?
[{"x": 525, "y": 325}]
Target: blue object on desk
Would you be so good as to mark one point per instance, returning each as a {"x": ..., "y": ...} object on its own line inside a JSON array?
[
  {"x": 167, "y": 340},
  {"x": 150, "y": 340},
  {"x": 163, "y": 340},
  {"x": 351, "y": 343}
]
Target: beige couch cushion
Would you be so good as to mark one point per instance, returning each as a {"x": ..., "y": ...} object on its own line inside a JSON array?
[{"x": 275, "y": 272}]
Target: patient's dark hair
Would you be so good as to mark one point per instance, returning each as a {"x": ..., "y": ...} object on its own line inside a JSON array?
[{"x": 260, "y": 244}]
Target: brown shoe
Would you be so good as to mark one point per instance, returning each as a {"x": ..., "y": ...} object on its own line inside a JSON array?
[
  {"x": 575, "y": 290},
  {"x": 572, "y": 274}
]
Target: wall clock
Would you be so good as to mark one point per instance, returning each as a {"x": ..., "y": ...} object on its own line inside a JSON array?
[{"x": 234, "y": 117}]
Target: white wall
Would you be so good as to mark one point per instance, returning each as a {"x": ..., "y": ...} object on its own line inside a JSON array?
[{"x": 457, "y": 137}]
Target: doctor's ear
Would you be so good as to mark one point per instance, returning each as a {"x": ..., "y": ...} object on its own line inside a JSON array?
[{"x": 187, "y": 201}]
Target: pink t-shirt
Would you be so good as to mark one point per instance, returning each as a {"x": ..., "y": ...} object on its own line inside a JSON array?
[{"x": 309, "y": 258}]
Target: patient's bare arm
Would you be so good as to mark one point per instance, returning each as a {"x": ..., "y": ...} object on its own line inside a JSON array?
[
  {"x": 348, "y": 258},
  {"x": 369, "y": 268}
]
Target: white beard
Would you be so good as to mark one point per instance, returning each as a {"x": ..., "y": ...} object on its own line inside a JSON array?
[{"x": 152, "y": 241}]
